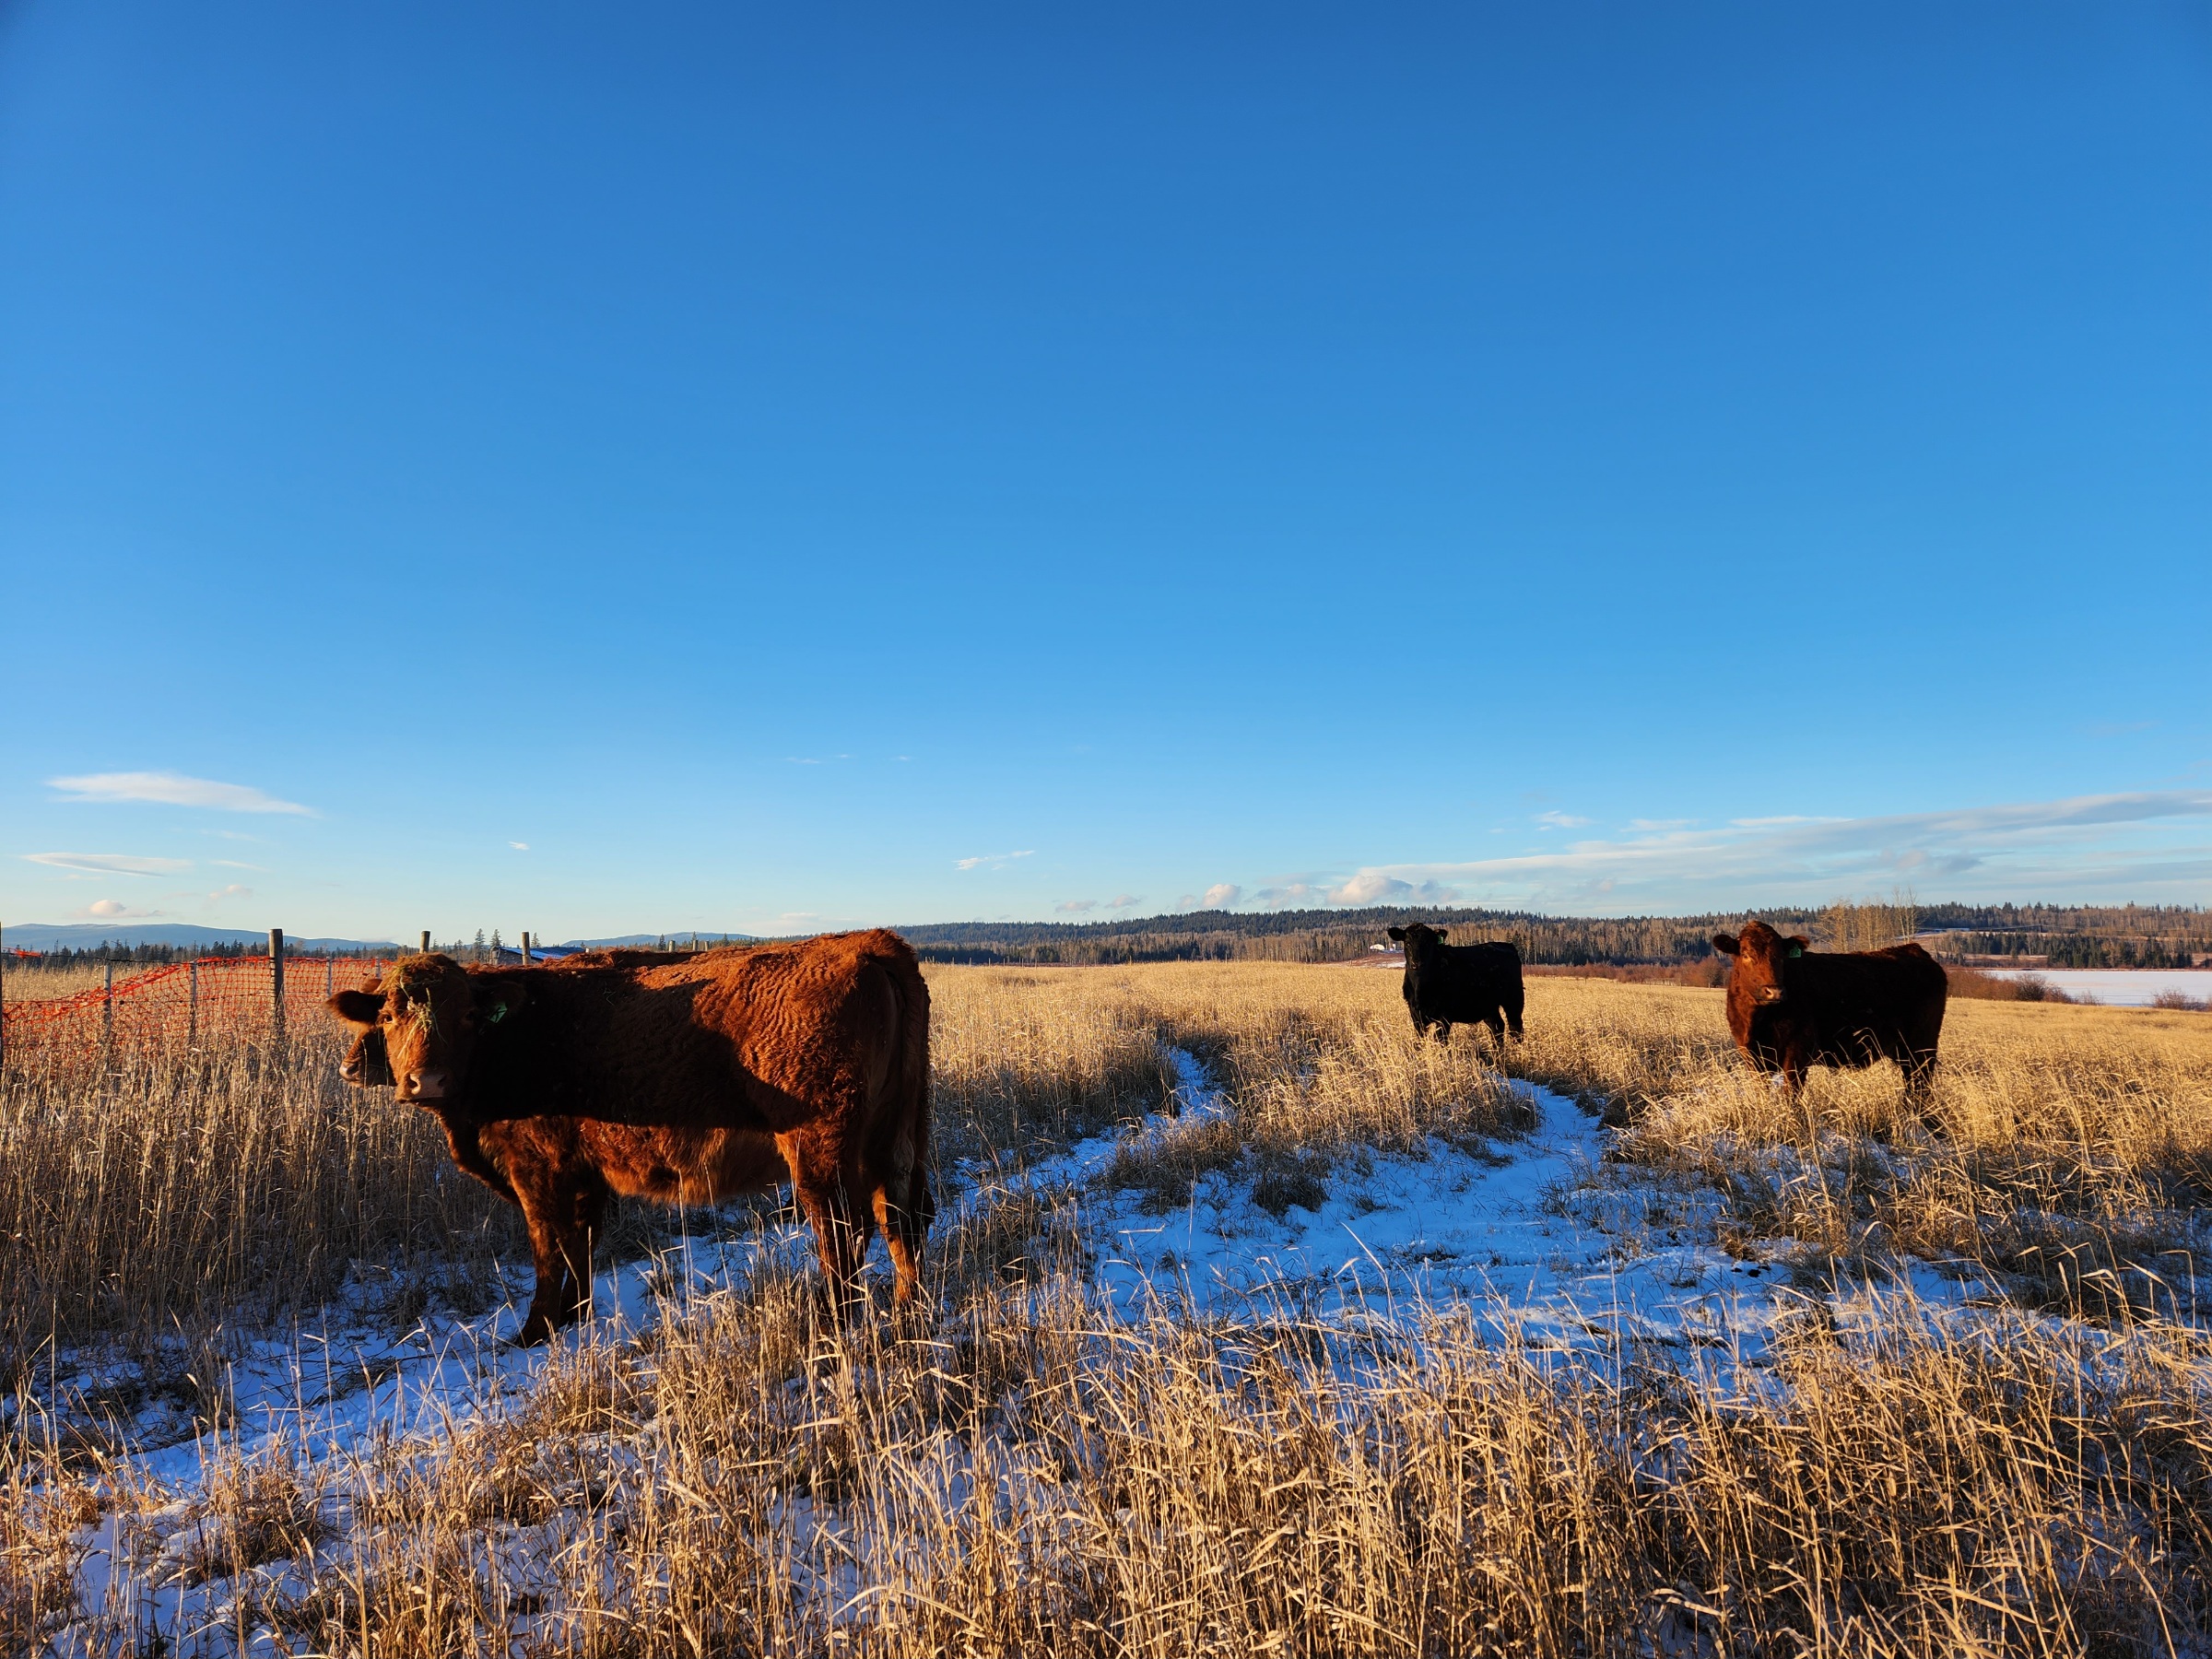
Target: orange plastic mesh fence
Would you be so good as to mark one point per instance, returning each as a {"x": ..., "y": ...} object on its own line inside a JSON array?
[{"x": 184, "y": 1002}]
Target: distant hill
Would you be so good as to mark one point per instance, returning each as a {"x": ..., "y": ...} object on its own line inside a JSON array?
[
  {"x": 680, "y": 936},
  {"x": 90, "y": 935}
]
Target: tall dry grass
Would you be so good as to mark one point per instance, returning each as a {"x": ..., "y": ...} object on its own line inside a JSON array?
[
  {"x": 21, "y": 982},
  {"x": 168, "y": 1201},
  {"x": 2067, "y": 1158},
  {"x": 1023, "y": 1473},
  {"x": 1026, "y": 1059},
  {"x": 1032, "y": 1478}
]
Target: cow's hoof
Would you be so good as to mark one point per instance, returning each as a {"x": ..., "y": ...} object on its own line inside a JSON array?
[{"x": 537, "y": 1332}]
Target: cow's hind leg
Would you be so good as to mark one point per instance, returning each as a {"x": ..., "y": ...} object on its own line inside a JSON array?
[
  {"x": 587, "y": 1218},
  {"x": 1516, "y": 1002},
  {"x": 904, "y": 1208},
  {"x": 840, "y": 1237}
]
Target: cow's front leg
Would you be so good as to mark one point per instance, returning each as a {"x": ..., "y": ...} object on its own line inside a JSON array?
[
  {"x": 563, "y": 1208},
  {"x": 551, "y": 1300},
  {"x": 1920, "y": 1077},
  {"x": 1441, "y": 1030}
]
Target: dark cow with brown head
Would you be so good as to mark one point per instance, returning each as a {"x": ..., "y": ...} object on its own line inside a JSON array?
[
  {"x": 684, "y": 1079},
  {"x": 1790, "y": 1008},
  {"x": 1460, "y": 984}
]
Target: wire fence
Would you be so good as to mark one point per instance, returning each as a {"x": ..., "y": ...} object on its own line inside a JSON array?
[{"x": 181, "y": 1004}]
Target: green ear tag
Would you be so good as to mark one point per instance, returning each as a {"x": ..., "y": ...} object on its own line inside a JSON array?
[
  {"x": 1795, "y": 951},
  {"x": 499, "y": 1011}
]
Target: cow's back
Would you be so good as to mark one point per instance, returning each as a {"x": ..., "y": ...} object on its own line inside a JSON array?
[
  {"x": 1852, "y": 1007},
  {"x": 796, "y": 1024},
  {"x": 1465, "y": 982}
]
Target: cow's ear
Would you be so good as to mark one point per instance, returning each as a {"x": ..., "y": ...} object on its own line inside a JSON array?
[
  {"x": 1727, "y": 943},
  {"x": 359, "y": 1009},
  {"x": 1799, "y": 945},
  {"x": 1441, "y": 933},
  {"x": 496, "y": 998},
  {"x": 1398, "y": 933}
]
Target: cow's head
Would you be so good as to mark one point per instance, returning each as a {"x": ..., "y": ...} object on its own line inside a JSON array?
[
  {"x": 425, "y": 1019},
  {"x": 1762, "y": 958},
  {"x": 1417, "y": 937}
]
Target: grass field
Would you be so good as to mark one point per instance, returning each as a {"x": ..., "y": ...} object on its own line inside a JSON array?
[{"x": 1030, "y": 1468}]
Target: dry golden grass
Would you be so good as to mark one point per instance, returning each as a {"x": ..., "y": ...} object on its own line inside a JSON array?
[
  {"x": 2068, "y": 1157},
  {"x": 1019, "y": 1471},
  {"x": 20, "y": 984},
  {"x": 152, "y": 1202},
  {"x": 1027, "y": 1058},
  {"x": 1030, "y": 1478}
]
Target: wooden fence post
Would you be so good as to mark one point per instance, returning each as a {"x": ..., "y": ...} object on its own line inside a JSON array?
[
  {"x": 277, "y": 980},
  {"x": 525, "y": 947},
  {"x": 192, "y": 1005},
  {"x": 107, "y": 1006},
  {"x": 425, "y": 941}
]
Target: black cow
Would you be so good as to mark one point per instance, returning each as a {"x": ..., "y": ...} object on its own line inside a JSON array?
[{"x": 1460, "y": 984}]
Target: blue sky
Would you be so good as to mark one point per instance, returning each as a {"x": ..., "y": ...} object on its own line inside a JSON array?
[{"x": 587, "y": 468}]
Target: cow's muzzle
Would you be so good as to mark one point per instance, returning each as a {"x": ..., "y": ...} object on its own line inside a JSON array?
[
  {"x": 424, "y": 1086},
  {"x": 1771, "y": 994}
]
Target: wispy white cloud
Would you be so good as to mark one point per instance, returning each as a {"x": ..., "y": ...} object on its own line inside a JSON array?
[
  {"x": 1561, "y": 820},
  {"x": 520, "y": 846},
  {"x": 1124, "y": 901},
  {"x": 110, "y": 864},
  {"x": 2148, "y": 845},
  {"x": 172, "y": 789},
  {"x": 232, "y": 864},
  {"x": 1221, "y": 895},
  {"x": 996, "y": 861},
  {"x": 1076, "y": 906},
  {"x": 233, "y": 892}
]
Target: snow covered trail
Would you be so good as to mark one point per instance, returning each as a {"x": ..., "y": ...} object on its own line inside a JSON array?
[{"x": 1518, "y": 1230}]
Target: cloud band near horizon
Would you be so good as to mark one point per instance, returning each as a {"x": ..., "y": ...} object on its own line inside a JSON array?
[{"x": 2153, "y": 846}]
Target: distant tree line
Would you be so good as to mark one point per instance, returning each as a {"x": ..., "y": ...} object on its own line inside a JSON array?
[
  {"x": 2076, "y": 936},
  {"x": 155, "y": 955}
]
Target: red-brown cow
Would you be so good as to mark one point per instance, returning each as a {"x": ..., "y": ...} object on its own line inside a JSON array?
[
  {"x": 684, "y": 1079},
  {"x": 1790, "y": 1008}
]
